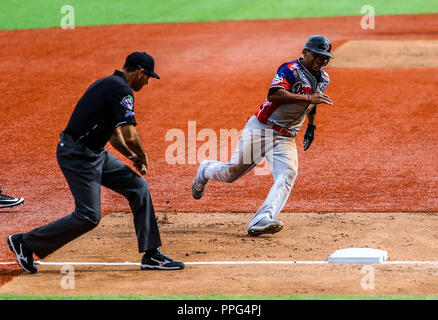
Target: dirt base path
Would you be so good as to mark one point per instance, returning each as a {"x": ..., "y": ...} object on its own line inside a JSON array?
[{"x": 194, "y": 237}]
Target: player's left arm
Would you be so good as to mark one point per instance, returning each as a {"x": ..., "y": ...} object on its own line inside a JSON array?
[{"x": 309, "y": 135}]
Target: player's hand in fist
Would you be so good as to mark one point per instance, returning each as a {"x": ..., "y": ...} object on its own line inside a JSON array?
[
  {"x": 309, "y": 136},
  {"x": 319, "y": 97}
]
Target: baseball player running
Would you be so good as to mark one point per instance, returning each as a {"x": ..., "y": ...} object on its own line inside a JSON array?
[
  {"x": 297, "y": 88},
  {"x": 104, "y": 113}
]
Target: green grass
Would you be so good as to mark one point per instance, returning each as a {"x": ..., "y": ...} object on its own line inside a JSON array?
[
  {"x": 209, "y": 297},
  {"x": 29, "y": 14}
]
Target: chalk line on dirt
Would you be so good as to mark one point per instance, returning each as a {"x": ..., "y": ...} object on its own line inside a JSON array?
[{"x": 72, "y": 263}]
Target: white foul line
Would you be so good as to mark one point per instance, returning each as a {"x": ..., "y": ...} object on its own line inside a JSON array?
[
  {"x": 186, "y": 263},
  {"x": 221, "y": 263},
  {"x": 254, "y": 262}
]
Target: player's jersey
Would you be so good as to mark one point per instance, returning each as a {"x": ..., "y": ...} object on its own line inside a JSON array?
[{"x": 295, "y": 78}]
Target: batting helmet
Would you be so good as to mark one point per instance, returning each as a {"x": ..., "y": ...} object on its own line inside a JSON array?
[{"x": 319, "y": 44}]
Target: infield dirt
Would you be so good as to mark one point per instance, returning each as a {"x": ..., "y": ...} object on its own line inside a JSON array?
[
  {"x": 374, "y": 151},
  {"x": 209, "y": 237}
]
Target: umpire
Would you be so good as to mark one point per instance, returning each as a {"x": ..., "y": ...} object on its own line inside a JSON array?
[{"x": 104, "y": 113}]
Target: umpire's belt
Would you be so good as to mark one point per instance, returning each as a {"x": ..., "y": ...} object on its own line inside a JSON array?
[
  {"x": 66, "y": 137},
  {"x": 283, "y": 131}
]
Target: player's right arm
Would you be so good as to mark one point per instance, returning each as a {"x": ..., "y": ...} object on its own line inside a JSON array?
[{"x": 280, "y": 89}]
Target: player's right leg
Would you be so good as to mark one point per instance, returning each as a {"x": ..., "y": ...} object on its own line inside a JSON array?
[
  {"x": 200, "y": 181},
  {"x": 244, "y": 158}
]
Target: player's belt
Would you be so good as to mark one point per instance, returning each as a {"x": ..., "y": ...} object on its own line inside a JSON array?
[{"x": 282, "y": 131}]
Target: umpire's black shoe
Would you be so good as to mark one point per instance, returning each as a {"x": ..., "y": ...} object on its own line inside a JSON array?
[
  {"x": 24, "y": 254},
  {"x": 7, "y": 201},
  {"x": 159, "y": 261}
]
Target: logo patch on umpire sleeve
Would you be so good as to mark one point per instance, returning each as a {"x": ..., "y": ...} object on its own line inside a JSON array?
[
  {"x": 128, "y": 102},
  {"x": 129, "y": 114}
]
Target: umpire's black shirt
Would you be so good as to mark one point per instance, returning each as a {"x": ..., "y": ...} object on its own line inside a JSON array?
[{"x": 107, "y": 104}]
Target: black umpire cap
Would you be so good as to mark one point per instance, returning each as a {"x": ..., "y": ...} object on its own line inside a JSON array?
[{"x": 141, "y": 60}]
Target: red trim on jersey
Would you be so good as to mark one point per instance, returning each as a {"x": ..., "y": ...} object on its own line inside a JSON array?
[
  {"x": 293, "y": 65},
  {"x": 284, "y": 84},
  {"x": 325, "y": 74},
  {"x": 266, "y": 109}
]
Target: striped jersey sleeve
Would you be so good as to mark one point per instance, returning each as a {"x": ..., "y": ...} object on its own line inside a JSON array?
[{"x": 284, "y": 77}]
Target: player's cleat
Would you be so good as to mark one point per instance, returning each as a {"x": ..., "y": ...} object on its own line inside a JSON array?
[
  {"x": 198, "y": 185},
  {"x": 24, "y": 255},
  {"x": 159, "y": 261},
  {"x": 7, "y": 201},
  {"x": 265, "y": 225}
]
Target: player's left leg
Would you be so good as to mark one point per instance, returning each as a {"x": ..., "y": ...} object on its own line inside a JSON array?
[{"x": 283, "y": 160}]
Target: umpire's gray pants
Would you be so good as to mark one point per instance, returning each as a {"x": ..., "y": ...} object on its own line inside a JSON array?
[{"x": 86, "y": 170}]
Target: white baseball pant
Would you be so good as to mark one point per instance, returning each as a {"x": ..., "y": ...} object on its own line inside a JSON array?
[{"x": 259, "y": 140}]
